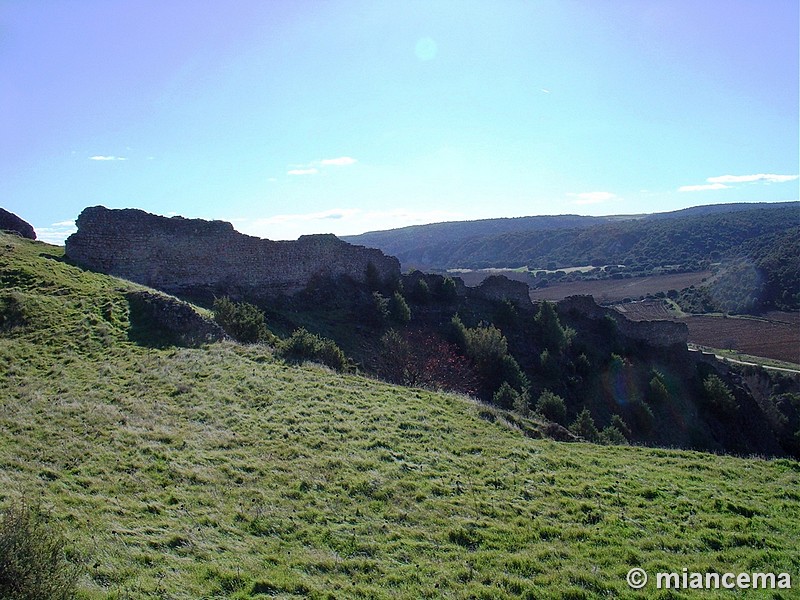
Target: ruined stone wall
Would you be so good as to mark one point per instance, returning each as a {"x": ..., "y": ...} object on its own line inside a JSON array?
[
  {"x": 197, "y": 257},
  {"x": 500, "y": 287},
  {"x": 656, "y": 333},
  {"x": 11, "y": 222}
]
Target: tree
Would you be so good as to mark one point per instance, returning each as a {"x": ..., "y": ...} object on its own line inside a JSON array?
[
  {"x": 242, "y": 321},
  {"x": 719, "y": 395},
  {"x": 553, "y": 334},
  {"x": 658, "y": 391},
  {"x": 398, "y": 309},
  {"x": 552, "y": 407},
  {"x": 308, "y": 346},
  {"x": 421, "y": 359},
  {"x": 380, "y": 309},
  {"x": 448, "y": 291},
  {"x": 611, "y": 436},
  {"x": 506, "y": 397},
  {"x": 421, "y": 293},
  {"x": 584, "y": 426}
]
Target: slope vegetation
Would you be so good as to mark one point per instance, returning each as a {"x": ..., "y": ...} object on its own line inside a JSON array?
[{"x": 221, "y": 472}]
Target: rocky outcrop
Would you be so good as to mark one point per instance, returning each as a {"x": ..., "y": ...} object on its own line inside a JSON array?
[
  {"x": 11, "y": 222},
  {"x": 500, "y": 287},
  {"x": 660, "y": 334},
  {"x": 157, "y": 319},
  {"x": 198, "y": 258}
]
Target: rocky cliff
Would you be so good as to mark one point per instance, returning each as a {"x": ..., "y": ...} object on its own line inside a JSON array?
[
  {"x": 660, "y": 334},
  {"x": 206, "y": 258}
]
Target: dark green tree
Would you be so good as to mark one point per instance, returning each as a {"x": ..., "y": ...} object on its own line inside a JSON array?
[
  {"x": 554, "y": 336},
  {"x": 552, "y": 407},
  {"x": 242, "y": 321},
  {"x": 398, "y": 309},
  {"x": 584, "y": 426}
]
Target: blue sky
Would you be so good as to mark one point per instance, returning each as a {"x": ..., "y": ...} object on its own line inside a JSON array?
[{"x": 335, "y": 116}]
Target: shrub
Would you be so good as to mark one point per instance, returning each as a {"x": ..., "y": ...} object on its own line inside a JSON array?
[
  {"x": 398, "y": 309},
  {"x": 308, "y": 346},
  {"x": 242, "y": 321},
  {"x": 448, "y": 292},
  {"x": 421, "y": 293},
  {"x": 619, "y": 423},
  {"x": 506, "y": 396},
  {"x": 719, "y": 396},
  {"x": 551, "y": 406},
  {"x": 34, "y": 564},
  {"x": 554, "y": 336},
  {"x": 584, "y": 426},
  {"x": 12, "y": 313},
  {"x": 418, "y": 358},
  {"x": 658, "y": 391},
  {"x": 611, "y": 436},
  {"x": 380, "y": 309}
]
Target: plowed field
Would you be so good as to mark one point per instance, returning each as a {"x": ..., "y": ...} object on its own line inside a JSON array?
[{"x": 773, "y": 335}]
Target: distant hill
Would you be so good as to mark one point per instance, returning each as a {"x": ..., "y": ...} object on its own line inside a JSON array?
[
  {"x": 412, "y": 244},
  {"x": 574, "y": 240},
  {"x": 762, "y": 236}
]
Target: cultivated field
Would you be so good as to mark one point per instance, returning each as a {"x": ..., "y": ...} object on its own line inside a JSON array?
[
  {"x": 774, "y": 335},
  {"x": 614, "y": 290}
]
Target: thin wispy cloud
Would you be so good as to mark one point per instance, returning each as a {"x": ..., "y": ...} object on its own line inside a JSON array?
[
  {"x": 55, "y": 233},
  {"x": 592, "y": 197},
  {"x": 342, "y": 161},
  {"x": 703, "y": 187},
  {"x": 102, "y": 157},
  {"x": 339, "y": 221},
  {"x": 719, "y": 182},
  {"x": 765, "y": 177},
  {"x": 313, "y": 168},
  {"x": 335, "y": 213}
]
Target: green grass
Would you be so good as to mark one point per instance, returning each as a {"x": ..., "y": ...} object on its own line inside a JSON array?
[{"x": 221, "y": 472}]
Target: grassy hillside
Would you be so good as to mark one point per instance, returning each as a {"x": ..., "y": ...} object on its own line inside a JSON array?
[{"x": 220, "y": 472}]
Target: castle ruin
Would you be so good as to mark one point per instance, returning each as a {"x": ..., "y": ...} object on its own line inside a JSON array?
[{"x": 198, "y": 258}]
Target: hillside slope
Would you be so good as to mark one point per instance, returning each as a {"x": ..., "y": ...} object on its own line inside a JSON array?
[
  {"x": 662, "y": 238},
  {"x": 221, "y": 472}
]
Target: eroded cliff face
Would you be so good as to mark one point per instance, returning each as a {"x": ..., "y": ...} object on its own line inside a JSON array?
[
  {"x": 204, "y": 258},
  {"x": 660, "y": 334}
]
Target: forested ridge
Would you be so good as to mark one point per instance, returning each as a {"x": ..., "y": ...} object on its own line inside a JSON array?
[{"x": 762, "y": 237}]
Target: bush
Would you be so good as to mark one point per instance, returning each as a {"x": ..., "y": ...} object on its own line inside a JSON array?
[
  {"x": 34, "y": 564},
  {"x": 506, "y": 397},
  {"x": 242, "y": 321},
  {"x": 398, "y": 309},
  {"x": 379, "y": 309},
  {"x": 418, "y": 358},
  {"x": 12, "y": 312},
  {"x": 719, "y": 396},
  {"x": 551, "y": 406},
  {"x": 448, "y": 292},
  {"x": 308, "y": 346},
  {"x": 611, "y": 436},
  {"x": 658, "y": 391},
  {"x": 421, "y": 293},
  {"x": 554, "y": 336},
  {"x": 584, "y": 426}
]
